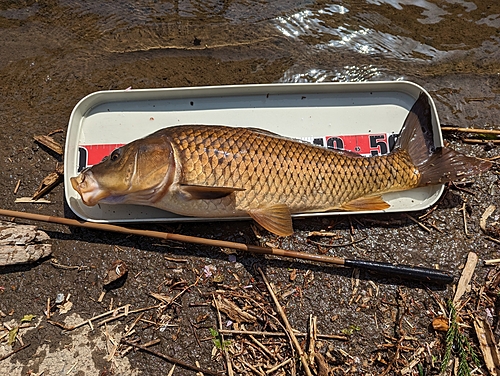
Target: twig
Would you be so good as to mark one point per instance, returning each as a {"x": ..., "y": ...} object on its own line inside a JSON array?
[
  {"x": 195, "y": 334},
  {"x": 88, "y": 321},
  {"x": 49, "y": 143},
  {"x": 288, "y": 327},
  {"x": 464, "y": 212},
  {"x": 281, "y": 365},
  {"x": 171, "y": 359},
  {"x": 171, "y": 372},
  {"x": 493, "y": 239},
  {"x": 480, "y": 141},
  {"x": 489, "y": 211},
  {"x": 14, "y": 351},
  {"x": 487, "y": 344},
  {"x": 223, "y": 348},
  {"x": 262, "y": 347},
  {"x": 311, "y": 337},
  {"x": 17, "y": 186},
  {"x": 279, "y": 334},
  {"x": 129, "y": 331},
  {"x": 418, "y": 223},
  {"x": 492, "y": 262},
  {"x": 471, "y": 130}
]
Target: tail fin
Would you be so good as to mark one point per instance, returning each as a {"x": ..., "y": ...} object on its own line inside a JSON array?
[{"x": 436, "y": 165}]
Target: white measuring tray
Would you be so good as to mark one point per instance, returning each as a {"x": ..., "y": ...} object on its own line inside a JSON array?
[{"x": 364, "y": 117}]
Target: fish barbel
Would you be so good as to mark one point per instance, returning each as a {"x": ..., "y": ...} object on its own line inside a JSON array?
[{"x": 220, "y": 171}]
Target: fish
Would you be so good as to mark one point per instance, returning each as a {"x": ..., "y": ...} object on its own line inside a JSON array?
[{"x": 213, "y": 171}]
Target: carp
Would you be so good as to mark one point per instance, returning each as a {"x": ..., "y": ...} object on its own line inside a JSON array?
[{"x": 221, "y": 171}]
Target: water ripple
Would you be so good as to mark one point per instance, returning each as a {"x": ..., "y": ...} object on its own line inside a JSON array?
[
  {"x": 405, "y": 34},
  {"x": 348, "y": 73}
]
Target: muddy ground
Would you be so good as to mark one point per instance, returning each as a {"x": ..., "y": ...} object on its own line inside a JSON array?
[{"x": 54, "y": 53}]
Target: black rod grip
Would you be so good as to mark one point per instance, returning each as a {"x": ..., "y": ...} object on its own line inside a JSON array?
[{"x": 403, "y": 271}]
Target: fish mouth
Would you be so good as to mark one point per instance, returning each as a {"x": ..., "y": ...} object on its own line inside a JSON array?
[{"x": 88, "y": 188}]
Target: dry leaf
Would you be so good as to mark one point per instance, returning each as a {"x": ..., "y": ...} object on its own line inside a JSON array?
[{"x": 440, "y": 324}]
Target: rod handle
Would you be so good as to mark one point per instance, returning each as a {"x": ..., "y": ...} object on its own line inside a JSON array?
[{"x": 404, "y": 271}]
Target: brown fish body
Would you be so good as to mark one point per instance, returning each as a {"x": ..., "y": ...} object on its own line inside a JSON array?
[
  {"x": 269, "y": 170},
  {"x": 220, "y": 171}
]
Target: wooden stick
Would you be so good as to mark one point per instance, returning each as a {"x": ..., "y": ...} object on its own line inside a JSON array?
[
  {"x": 492, "y": 262},
  {"x": 418, "y": 223},
  {"x": 403, "y": 271},
  {"x": 480, "y": 141},
  {"x": 471, "y": 130},
  {"x": 288, "y": 327},
  {"x": 466, "y": 277}
]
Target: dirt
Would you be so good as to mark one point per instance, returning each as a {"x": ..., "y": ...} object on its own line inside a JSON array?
[{"x": 52, "y": 54}]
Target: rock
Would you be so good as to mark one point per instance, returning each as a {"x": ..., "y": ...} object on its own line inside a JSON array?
[{"x": 21, "y": 244}]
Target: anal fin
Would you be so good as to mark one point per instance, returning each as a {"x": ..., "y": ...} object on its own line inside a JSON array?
[
  {"x": 201, "y": 192},
  {"x": 366, "y": 203},
  {"x": 274, "y": 218}
]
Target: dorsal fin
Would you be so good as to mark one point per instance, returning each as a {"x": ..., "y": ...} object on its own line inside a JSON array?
[{"x": 417, "y": 136}]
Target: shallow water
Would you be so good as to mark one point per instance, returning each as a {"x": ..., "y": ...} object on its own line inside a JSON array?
[{"x": 53, "y": 53}]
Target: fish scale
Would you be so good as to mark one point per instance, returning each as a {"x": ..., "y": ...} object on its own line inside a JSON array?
[{"x": 274, "y": 169}]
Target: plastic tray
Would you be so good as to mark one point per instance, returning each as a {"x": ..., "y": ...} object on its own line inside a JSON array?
[{"x": 363, "y": 117}]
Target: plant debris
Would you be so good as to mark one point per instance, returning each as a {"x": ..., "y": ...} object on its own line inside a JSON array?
[
  {"x": 49, "y": 182},
  {"x": 50, "y": 143},
  {"x": 115, "y": 272}
]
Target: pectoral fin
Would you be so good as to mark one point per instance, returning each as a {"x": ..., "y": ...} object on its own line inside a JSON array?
[
  {"x": 366, "y": 203},
  {"x": 201, "y": 192},
  {"x": 274, "y": 218}
]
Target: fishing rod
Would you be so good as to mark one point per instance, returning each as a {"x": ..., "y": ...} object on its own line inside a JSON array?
[{"x": 394, "y": 270}]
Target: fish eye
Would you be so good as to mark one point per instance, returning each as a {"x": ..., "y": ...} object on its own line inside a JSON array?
[{"x": 115, "y": 154}]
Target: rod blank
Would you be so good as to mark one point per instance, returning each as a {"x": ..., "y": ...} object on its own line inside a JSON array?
[{"x": 403, "y": 271}]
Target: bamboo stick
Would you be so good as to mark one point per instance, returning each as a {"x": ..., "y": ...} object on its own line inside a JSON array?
[{"x": 403, "y": 271}]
